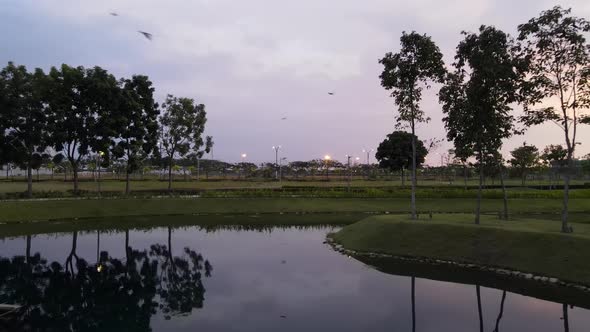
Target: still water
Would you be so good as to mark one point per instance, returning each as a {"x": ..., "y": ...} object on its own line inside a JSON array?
[{"x": 280, "y": 279}]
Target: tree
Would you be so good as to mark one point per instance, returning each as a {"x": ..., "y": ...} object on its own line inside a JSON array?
[
  {"x": 557, "y": 59},
  {"x": 26, "y": 123},
  {"x": 81, "y": 103},
  {"x": 417, "y": 65},
  {"x": 524, "y": 158},
  {"x": 395, "y": 152},
  {"x": 182, "y": 123},
  {"x": 137, "y": 124},
  {"x": 476, "y": 100}
]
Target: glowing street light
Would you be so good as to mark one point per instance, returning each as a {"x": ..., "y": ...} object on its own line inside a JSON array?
[
  {"x": 327, "y": 159},
  {"x": 368, "y": 152}
]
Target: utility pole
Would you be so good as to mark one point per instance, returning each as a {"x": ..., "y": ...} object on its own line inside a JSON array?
[
  {"x": 368, "y": 152},
  {"x": 349, "y": 172},
  {"x": 277, "y": 148}
]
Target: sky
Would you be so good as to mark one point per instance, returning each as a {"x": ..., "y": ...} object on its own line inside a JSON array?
[{"x": 255, "y": 62}]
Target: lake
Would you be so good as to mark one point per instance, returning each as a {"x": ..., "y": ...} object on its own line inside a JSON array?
[{"x": 232, "y": 279}]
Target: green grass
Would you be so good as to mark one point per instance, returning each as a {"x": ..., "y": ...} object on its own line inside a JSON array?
[
  {"x": 38, "y": 210},
  {"x": 19, "y": 184},
  {"x": 527, "y": 245}
]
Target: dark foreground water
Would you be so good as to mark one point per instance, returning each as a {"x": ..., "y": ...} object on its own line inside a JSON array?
[{"x": 233, "y": 280}]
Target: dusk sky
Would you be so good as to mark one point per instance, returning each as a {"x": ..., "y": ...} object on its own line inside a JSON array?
[{"x": 254, "y": 62}]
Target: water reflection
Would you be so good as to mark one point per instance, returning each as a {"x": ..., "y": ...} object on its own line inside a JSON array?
[
  {"x": 280, "y": 279},
  {"x": 111, "y": 294}
]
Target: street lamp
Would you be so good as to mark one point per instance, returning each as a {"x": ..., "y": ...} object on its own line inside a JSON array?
[
  {"x": 368, "y": 152},
  {"x": 98, "y": 161},
  {"x": 327, "y": 159},
  {"x": 276, "y": 148},
  {"x": 243, "y": 158}
]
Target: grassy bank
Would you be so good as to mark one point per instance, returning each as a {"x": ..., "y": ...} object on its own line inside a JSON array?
[
  {"x": 40, "y": 210},
  {"x": 527, "y": 245}
]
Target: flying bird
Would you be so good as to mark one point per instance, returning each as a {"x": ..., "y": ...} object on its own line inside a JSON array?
[
  {"x": 114, "y": 14},
  {"x": 331, "y": 93},
  {"x": 146, "y": 34},
  {"x": 285, "y": 118}
]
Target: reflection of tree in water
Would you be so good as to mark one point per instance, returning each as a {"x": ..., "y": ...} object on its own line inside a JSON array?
[
  {"x": 121, "y": 297},
  {"x": 179, "y": 283}
]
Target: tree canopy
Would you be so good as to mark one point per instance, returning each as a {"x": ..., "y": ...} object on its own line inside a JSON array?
[{"x": 395, "y": 152}]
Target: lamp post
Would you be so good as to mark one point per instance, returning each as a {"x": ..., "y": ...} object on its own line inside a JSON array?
[
  {"x": 243, "y": 159},
  {"x": 98, "y": 160},
  {"x": 368, "y": 152},
  {"x": 349, "y": 172},
  {"x": 276, "y": 148},
  {"x": 327, "y": 159}
]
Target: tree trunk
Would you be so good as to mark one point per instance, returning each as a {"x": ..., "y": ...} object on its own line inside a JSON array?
[
  {"x": 127, "y": 189},
  {"x": 75, "y": 171},
  {"x": 170, "y": 175},
  {"x": 479, "y": 308},
  {"x": 97, "y": 247},
  {"x": 198, "y": 168},
  {"x": 497, "y": 328},
  {"x": 28, "y": 249},
  {"x": 413, "y": 199},
  {"x": 505, "y": 195},
  {"x": 566, "y": 323},
  {"x": 566, "y": 191},
  {"x": 413, "y": 304},
  {"x": 29, "y": 180},
  {"x": 479, "y": 189}
]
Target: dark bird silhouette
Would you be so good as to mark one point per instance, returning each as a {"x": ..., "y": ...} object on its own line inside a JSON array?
[
  {"x": 146, "y": 34},
  {"x": 285, "y": 118},
  {"x": 114, "y": 14},
  {"x": 331, "y": 93}
]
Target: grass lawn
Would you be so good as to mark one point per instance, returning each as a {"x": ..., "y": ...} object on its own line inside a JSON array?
[
  {"x": 57, "y": 184},
  {"x": 39, "y": 210},
  {"x": 527, "y": 245}
]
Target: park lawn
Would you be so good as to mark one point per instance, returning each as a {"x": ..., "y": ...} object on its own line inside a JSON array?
[
  {"x": 527, "y": 245},
  {"x": 19, "y": 185},
  {"x": 39, "y": 210}
]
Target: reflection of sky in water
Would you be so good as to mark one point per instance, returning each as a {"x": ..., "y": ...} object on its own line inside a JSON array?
[{"x": 316, "y": 288}]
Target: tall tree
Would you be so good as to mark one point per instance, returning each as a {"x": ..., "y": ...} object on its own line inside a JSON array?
[
  {"x": 395, "y": 152},
  {"x": 476, "y": 100},
  {"x": 523, "y": 158},
  {"x": 81, "y": 105},
  {"x": 406, "y": 73},
  {"x": 26, "y": 132},
  {"x": 182, "y": 123},
  {"x": 137, "y": 124},
  {"x": 558, "y": 72}
]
